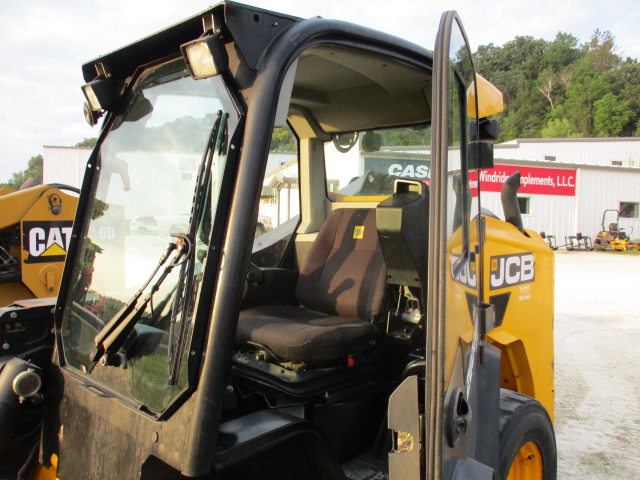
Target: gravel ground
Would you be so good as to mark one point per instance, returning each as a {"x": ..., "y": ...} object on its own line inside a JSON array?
[{"x": 597, "y": 365}]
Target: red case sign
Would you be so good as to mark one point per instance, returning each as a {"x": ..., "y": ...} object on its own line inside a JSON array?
[{"x": 537, "y": 181}]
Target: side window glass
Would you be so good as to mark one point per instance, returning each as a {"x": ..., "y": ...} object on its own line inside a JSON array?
[
  {"x": 459, "y": 320},
  {"x": 629, "y": 210},
  {"x": 363, "y": 166},
  {"x": 459, "y": 201},
  {"x": 279, "y": 210}
]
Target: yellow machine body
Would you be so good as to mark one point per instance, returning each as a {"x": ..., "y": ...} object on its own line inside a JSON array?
[
  {"x": 518, "y": 283},
  {"x": 36, "y": 230}
]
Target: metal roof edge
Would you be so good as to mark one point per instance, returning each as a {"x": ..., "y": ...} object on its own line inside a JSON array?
[
  {"x": 559, "y": 165},
  {"x": 68, "y": 147},
  {"x": 516, "y": 141}
]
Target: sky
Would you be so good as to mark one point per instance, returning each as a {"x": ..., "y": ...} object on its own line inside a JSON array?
[{"x": 44, "y": 44}]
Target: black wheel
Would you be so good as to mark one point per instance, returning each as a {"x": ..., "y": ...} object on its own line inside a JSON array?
[
  {"x": 527, "y": 439},
  {"x": 259, "y": 230}
]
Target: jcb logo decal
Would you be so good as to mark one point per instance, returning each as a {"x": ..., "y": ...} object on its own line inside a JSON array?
[
  {"x": 508, "y": 270},
  {"x": 46, "y": 241},
  {"x": 465, "y": 274}
]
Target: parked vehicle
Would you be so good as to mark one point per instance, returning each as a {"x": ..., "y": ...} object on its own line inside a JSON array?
[
  {"x": 144, "y": 225},
  {"x": 613, "y": 237}
]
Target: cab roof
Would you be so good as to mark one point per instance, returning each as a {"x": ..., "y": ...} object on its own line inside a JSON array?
[{"x": 265, "y": 26}]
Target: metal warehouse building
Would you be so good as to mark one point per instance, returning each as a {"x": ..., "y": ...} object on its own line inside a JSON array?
[
  {"x": 65, "y": 165},
  {"x": 566, "y": 184}
]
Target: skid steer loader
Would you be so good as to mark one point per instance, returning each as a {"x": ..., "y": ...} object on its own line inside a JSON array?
[{"x": 385, "y": 327}]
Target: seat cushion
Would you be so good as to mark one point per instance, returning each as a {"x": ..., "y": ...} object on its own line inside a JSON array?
[{"x": 300, "y": 335}]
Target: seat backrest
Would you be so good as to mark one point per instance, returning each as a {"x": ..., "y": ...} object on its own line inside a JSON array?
[
  {"x": 344, "y": 272},
  {"x": 403, "y": 223}
]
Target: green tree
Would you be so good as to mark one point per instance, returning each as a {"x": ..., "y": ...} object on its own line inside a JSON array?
[
  {"x": 558, "y": 128},
  {"x": 601, "y": 50},
  {"x": 33, "y": 170},
  {"x": 546, "y": 84},
  {"x": 628, "y": 85},
  {"x": 561, "y": 88},
  {"x": 586, "y": 85},
  {"x": 87, "y": 142},
  {"x": 283, "y": 140},
  {"x": 610, "y": 115},
  {"x": 562, "y": 52},
  {"x": 553, "y": 78},
  {"x": 405, "y": 136},
  {"x": 515, "y": 69}
]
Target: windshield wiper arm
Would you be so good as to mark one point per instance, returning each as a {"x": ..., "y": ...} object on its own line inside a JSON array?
[{"x": 113, "y": 335}]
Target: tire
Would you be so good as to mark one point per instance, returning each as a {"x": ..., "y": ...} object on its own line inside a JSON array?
[
  {"x": 259, "y": 230},
  {"x": 527, "y": 439}
]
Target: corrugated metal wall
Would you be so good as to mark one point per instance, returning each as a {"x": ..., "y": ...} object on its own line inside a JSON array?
[
  {"x": 597, "y": 189},
  {"x": 591, "y": 151},
  {"x": 65, "y": 165},
  {"x": 552, "y": 214},
  {"x": 600, "y": 189}
]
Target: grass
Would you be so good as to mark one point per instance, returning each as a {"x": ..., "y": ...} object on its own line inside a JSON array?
[
  {"x": 618, "y": 252},
  {"x": 597, "y": 462},
  {"x": 630, "y": 252}
]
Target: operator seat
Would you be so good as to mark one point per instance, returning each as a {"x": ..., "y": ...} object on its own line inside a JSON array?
[{"x": 340, "y": 290}]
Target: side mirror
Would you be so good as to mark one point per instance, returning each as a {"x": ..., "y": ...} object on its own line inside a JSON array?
[
  {"x": 480, "y": 155},
  {"x": 488, "y": 130},
  {"x": 371, "y": 142}
]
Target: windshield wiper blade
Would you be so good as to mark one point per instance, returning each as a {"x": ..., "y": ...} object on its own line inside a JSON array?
[
  {"x": 113, "y": 335},
  {"x": 200, "y": 208}
]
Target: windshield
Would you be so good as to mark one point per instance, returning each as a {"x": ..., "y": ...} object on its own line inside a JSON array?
[{"x": 169, "y": 139}]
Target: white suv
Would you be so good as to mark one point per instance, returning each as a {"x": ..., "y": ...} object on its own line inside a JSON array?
[{"x": 144, "y": 224}]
